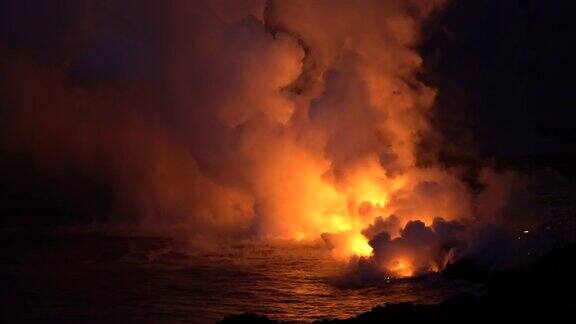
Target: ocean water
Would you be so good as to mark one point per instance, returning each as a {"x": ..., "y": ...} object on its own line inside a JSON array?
[{"x": 122, "y": 279}]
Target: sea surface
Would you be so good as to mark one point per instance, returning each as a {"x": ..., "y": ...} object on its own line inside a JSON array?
[{"x": 103, "y": 279}]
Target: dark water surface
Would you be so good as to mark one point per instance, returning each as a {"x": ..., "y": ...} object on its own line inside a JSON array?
[{"x": 104, "y": 279}]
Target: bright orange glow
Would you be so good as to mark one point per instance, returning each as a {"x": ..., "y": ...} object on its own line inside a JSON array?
[
  {"x": 351, "y": 243},
  {"x": 401, "y": 267},
  {"x": 359, "y": 246},
  {"x": 319, "y": 127},
  {"x": 367, "y": 190},
  {"x": 307, "y": 203}
]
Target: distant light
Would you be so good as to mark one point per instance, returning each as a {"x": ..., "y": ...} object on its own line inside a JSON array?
[{"x": 526, "y": 231}]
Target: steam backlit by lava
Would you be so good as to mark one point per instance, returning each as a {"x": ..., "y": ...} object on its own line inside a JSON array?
[{"x": 294, "y": 120}]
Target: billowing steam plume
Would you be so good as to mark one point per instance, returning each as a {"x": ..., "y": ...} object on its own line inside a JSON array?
[{"x": 278, "y": 119}]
